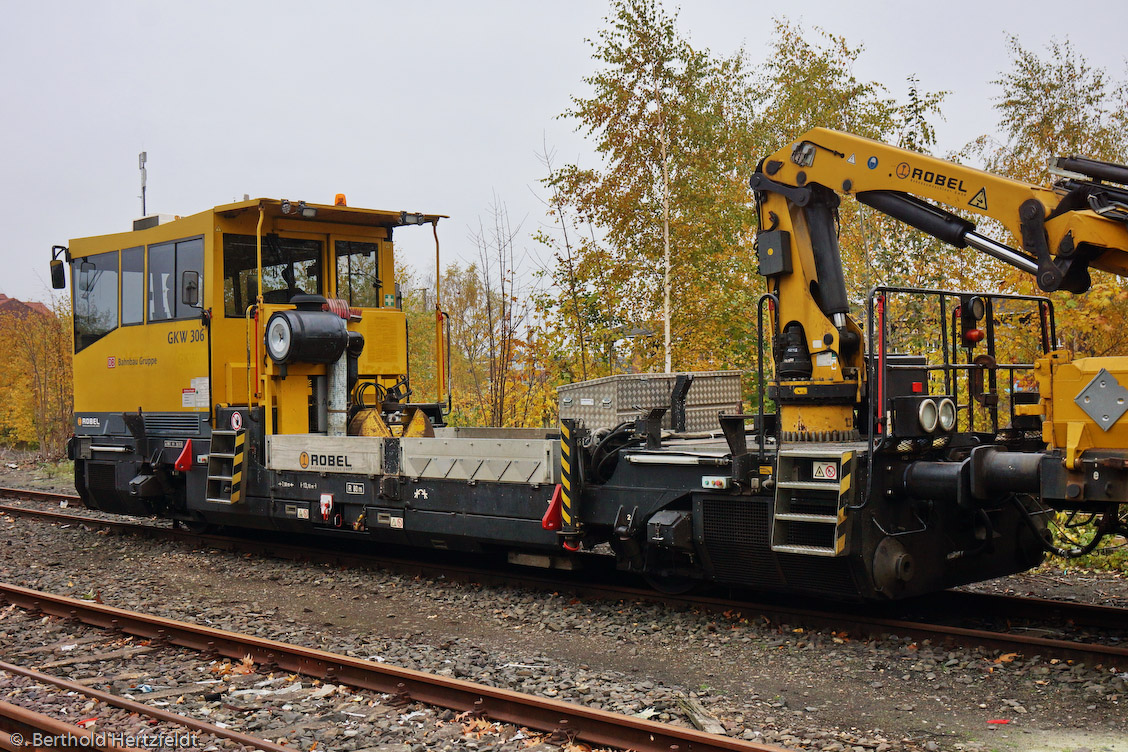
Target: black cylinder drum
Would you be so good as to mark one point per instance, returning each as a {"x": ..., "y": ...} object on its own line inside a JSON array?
[{"x": 306, "y": 337}]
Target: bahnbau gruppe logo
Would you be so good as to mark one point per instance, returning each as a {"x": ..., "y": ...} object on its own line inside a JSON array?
[{"x": 111, "y": 362}]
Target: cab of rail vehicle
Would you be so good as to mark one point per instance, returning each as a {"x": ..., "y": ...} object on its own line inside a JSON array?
[{"x": 185, "y": 328}]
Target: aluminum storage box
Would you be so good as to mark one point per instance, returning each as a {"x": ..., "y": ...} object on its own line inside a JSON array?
[{"x": 607, "y": 402}]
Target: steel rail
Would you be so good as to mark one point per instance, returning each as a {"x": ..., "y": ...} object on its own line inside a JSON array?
[
  {"x": 847, "y": 618},
  {"x": 146, "y": 710},
  {"x": 20, "y": 726},
  {"x": 566, "y": 720}
]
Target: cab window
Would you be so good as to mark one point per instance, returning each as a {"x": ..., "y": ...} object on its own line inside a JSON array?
[
  {"x": 167, "y": 264},
  {"x": 132, "y": 286},
  {"x": 95, "y": 286},
  {"x": 290, "y": 266},
  {"x": 358, "y": 272}
]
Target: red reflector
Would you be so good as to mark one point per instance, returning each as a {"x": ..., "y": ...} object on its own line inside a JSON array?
[
  {"x": 918, "y": 387},
  {"x": 184, "y": 461},
  {"x": 975, "y": 335},
  {"x": 552, "y": 519}
]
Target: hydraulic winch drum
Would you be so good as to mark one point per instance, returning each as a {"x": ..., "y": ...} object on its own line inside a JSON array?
[{"x": 306, "y": 337}]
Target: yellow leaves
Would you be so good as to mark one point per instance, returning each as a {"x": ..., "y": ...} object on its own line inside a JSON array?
[
  {"x": 243, "y": 667},
  {"x": 479, "y": 727},
  {"x": 1006, "y": 657}
]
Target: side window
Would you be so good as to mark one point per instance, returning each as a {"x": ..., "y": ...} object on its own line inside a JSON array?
[
  {"x": 162, "y": 282},
  {"x": 358, "y": 272},
  {"x": 167, "y": 262},
  {"x": 290, "y": 266},
  {"x": 189, "y": 258},
  {"x": 95, "y": 286},
  {"x": 132, "y": 286}
]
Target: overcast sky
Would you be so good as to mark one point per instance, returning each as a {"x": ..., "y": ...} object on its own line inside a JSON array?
[{"x": 435, "y": 107}]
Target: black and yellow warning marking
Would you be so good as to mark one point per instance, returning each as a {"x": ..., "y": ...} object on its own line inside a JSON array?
[
  {"x": 237, "y": 467},
  {"x": 567, "y": 475},
  {"x": 845, "y": 496}
]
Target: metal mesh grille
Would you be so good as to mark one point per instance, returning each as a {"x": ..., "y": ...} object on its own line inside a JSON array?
[
  {"x": 820, "y": 573},
  {"x": 172, "y": 423},
  {"x": 736, "y": 537},
  {"x": 100, "y": 476}
]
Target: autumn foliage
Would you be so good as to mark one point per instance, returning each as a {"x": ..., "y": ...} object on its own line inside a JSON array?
[
  {"x": 659, "y": 230},
  {"x": 36, "y": 408}
]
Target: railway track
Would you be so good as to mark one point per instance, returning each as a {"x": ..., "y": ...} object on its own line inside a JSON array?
[
  {"x": 1091, "y": 633},
  {"x": 565, "y": 721}
]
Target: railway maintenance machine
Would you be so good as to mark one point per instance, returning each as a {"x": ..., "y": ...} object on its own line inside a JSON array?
[{"x": 248, "y": 366}]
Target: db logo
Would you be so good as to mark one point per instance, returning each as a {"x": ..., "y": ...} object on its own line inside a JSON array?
[
  {"x": 903, "y": 170},
  {"x": 303, "y": 460},
  {"x": 111, "y": 362}
]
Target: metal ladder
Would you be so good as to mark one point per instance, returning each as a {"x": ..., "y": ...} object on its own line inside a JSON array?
[
  {"x": 225, "y": 467},
  {"x": 814, "y": 486}
]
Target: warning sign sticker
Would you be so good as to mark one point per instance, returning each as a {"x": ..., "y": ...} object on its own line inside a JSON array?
[
  {"x": 979, "y": 200},
  {"x": 825, "y": 471}
]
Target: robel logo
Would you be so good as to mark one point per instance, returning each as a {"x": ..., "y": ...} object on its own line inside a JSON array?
[
  {"x": 903, "y": 170},
  {"x": 306, "y": 460}
]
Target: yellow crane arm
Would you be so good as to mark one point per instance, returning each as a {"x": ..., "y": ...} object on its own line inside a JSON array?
[{"x": 1079, "y": 222}]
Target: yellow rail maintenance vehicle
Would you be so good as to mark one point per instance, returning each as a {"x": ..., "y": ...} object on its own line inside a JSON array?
[{"x": 248, "y": 366}]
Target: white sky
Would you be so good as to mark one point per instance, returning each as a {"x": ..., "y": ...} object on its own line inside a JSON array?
[{"x": 433, "y": 107}]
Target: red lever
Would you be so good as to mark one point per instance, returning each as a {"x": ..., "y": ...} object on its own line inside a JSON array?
[
  {"x": 552, "y": 519},
  {"x": 184, "y": 461}
]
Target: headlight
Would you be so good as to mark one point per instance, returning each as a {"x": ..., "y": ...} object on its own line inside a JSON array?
[
  {"x": 947, "y": 413},
  {"x": 928, "y": 415},
  {"x": 279, "y": 337}
]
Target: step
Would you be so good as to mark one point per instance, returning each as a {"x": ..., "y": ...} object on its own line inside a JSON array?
[
  {"x": 804, "y": 550},
  {"x": 829, "y": 519},
  {"x": 809, "y": 485},
  {"x": 820, "y": 452}
]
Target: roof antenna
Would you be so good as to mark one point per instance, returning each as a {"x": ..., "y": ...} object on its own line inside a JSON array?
[{"x": 141, "y": 159}]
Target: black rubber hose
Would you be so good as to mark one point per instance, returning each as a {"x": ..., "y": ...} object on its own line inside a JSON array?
[{"x": 1088, "y": 548}]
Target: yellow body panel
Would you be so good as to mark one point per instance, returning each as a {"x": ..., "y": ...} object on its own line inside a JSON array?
[{"x": 1066, "y": 426}]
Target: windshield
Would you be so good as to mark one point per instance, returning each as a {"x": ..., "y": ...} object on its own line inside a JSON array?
[{"x": 290, "y": 266}]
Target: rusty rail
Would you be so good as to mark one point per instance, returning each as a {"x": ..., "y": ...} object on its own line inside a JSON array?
[{"x": 19, "y": 727}]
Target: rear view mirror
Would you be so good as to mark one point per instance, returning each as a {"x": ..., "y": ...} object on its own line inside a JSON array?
[
  {"x": 58, "y": 275},
  {"x": 190, "y": 288},
  {"x": 58, "y": 271}
]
